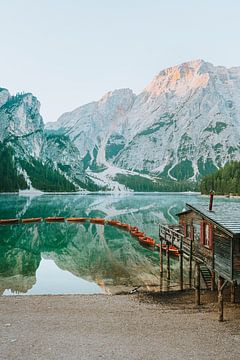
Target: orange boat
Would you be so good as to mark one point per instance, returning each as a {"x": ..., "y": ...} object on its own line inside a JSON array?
[
  {"x": 31, "y": 220},
  {"x": 133, "y": 228},
  {"x": 97, "y": 221},
  {"x": 172, "y": 249},
  {"x": 53, "y": 219},
  {"x": 113, "y": 222},
  {"x": 9, "y": 221},
  {"x": 164, "y": 246},
  {"x": 147, "y": 240},
  {"x": 137, "y": 233},
  {"x": 76, "y": 219},
  {"x": 124, "y": 226}
]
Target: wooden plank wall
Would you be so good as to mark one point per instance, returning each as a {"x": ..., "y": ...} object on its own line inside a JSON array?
[
  {"x": 236, "y": 260},
  {"x": 199, "y": 250},
  {"x": 222, "y": 253}
]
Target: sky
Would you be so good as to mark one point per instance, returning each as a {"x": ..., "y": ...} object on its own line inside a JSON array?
[{"x": 71, "y": 52}]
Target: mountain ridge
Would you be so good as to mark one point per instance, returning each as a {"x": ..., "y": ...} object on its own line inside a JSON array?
[{"x": 182, "y": 126}]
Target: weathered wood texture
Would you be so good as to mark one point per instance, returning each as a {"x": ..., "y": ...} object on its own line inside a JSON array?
[
  {"x": 220, "y": 258},
  {"x": 222, "y": 254}
]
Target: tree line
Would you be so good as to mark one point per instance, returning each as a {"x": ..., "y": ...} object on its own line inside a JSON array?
[{"x": 224, "y": 181}]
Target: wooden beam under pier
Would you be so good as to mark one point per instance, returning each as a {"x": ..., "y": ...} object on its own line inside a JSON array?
[
  {"x": 168, "y": 261},
  {"x": 197, "y": 284},
  {"x": 181, "y": 263},
  {"x": 190, "y": 263}
]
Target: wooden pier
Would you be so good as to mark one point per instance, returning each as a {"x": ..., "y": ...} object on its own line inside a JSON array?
[{"x": 209, "y": 240}]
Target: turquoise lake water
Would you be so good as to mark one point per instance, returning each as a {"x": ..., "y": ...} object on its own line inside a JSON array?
[{"x": 74, "y": 258}]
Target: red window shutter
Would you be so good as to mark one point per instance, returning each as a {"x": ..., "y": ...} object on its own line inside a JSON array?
[
  {"x": 185, "y": 230},
  {"x": 202, "y": 240},
  {"x": 210, "y": 236}
]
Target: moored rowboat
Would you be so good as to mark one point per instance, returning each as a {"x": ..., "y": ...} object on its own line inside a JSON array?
[
  {"x": 9, "y": 221},
  {"x": 133, "y": 228},
  {"x": 164, "y": 246},
  {"x": 173, "y": 250},
  {"x": 53, "y": 219},
  {"x": 113, "y": 222},
  {"x": 137, "y": 233},
  {"x": 31, "y": 220},
  {"x": 97, "y": 221},
  {"x": 124, "y": 226},
  {"x": 147, "y": 240},
  {"x": 76, "y": 219}
]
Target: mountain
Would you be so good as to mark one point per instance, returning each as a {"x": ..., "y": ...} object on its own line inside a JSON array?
[
  {"x": 29, "y": 156},
  {"x": 188, "y": 119},
  {"x": 184, "y": 125}
]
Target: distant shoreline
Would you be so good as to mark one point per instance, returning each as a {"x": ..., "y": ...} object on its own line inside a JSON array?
[{"x": 101, "y": 193}]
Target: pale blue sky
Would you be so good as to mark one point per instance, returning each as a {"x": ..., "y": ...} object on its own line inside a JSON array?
[{"x": 70, "y": 52}]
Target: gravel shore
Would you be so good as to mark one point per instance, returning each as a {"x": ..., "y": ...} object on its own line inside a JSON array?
[{"x": 90, "y": 327}]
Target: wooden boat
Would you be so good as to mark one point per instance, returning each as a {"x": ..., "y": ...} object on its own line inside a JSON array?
[
  {"x": 133, "y": 228},
  {"x": 164, "y": 246},
  {"x": 124, "y": 226},
  {"x": 173, "y": 250},
  {"x": 137, "y": 233},
  {"x": 97, "y": 221},
  {"x": 54, "y": 219},
  {"x": 31, "y": 220},
  {"x": 9, "y": 221},
  {"x": 147, "y": 240},
  {"x": 76, "y": 219},
  {"x": 113, "y": 222}
]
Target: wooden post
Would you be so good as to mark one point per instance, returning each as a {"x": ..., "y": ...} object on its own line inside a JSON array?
[
  {"x": 212, "y": 280},
  {"x": 181, "y": 264},
  {"x": 161, "y": 254},
  {"x": 233, "y": 293},
  {"x": 197, "y": 284},
  {"x": 161, "y": 283},
  {"x": 220, "y": 298},
  {"x": 168, "y": 261},
  {"x": 190, "y": 265}
]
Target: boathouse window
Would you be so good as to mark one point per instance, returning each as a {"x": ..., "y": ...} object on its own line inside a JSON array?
[
  {"x": 206, "y": 236},
  {"x": 189, "y": 231}
]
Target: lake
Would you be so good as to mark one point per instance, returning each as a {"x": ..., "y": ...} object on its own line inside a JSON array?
[{"x": 75, "y": 258}]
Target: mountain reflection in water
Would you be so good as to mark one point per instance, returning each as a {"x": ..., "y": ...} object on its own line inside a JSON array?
[{"x": 50, "y": 258}]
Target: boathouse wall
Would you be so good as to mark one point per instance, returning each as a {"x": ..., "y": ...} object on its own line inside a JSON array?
[
  {"x": 191, "y": 223},
  {"x": 236, "y": 260},
  {"x": 218, "y": 254},
  {"x": 223, "y": 254}
]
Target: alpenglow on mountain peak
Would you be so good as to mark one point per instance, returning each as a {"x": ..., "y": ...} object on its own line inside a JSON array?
[
  {"x": 182, "y": 126},
  {"x": 181, "y": 78}
]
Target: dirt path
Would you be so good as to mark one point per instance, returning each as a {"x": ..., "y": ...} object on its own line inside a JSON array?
[{"x": 114, "y": 327}]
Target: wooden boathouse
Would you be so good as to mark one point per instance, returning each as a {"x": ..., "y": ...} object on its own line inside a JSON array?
[{"x": 210, "y": 238}]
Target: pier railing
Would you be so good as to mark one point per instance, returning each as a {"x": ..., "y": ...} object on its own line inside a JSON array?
[{"x": 174, "y": 235}]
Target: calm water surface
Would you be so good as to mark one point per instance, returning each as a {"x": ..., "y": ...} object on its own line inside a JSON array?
[{"x": 68, "y": 258}]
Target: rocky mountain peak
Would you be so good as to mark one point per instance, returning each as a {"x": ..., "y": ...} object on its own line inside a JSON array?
[
  {"x": 184, "y": 125},
  {"x": 180, "y": 79},
  {"x": 4, "y": 96},
  {"x": 25, "y": 116}
]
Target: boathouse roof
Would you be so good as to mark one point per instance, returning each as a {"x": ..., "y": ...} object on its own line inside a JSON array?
[{"x": 225, "y": 215}]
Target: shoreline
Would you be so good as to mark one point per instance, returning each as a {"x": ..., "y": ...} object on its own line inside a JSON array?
[
  {"x": 102, "y": 193},
  {"x": 137, "y": 326},
  {"x": 87, "y": 193}
]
